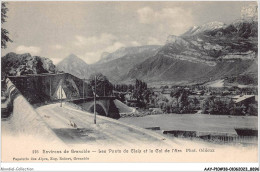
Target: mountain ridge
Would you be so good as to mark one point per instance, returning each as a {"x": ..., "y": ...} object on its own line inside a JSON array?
[
  {"x": 106, "y": 57},
  {"x": 209, "y": 54},
  {"x": 211, "y": 51},
  {"x": 76, "y": 66},
  {"x": 118, "y": 66}
]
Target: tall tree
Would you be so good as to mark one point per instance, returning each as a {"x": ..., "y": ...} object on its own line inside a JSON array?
[
  {"x": 104, "y": 87},
  {"x": 176, "y": 93},
  {"x": 4, "y": 33}
]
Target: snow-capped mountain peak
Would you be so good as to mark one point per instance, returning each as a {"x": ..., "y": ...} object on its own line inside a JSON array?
[{"x": 205, "y": 27}]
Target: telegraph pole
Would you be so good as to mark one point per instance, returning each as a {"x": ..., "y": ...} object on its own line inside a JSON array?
[
  {"x": 83, "y": 87},
  {"x": 50, "y": 87},
  {"x": 60, "y": 96},
  {"x": 95, "y": 99},
  {"x": 104, "y": 90}
]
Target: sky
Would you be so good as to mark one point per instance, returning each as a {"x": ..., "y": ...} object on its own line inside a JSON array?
[{"x": 87, "y": 29}]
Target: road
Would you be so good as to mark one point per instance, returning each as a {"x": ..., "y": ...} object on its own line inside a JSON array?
[{"x": 77, "y": 127}]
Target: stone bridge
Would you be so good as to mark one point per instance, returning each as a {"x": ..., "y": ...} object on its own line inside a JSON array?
[
  {"x": 47, "y": 88},
  {"x": 105, "y": 106}
]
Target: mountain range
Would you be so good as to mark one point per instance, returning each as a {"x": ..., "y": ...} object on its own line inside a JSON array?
[
  {"x": 203, "y": 53},
  {"x": 75, "y": 66},
  {"x": 113, "y": 65},
  {"x": 116, "y": 65},
  {"x": 208, "y": 52}
]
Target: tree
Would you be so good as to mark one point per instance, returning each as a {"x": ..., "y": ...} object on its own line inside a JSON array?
[
  {"x": 231, "y": 107},
  {"x": 147, "y": 95},
  {"x": 207, "y": 104},
  {"x": 252, "y": 109},
  {"x": 195, "y": 102},
  {"x": 4, "y": 33},
  {"x": 176, "y": 93},
  {"x": 182, "y": 103},
  {"x": 141, "y": 93},
  {"x": 104, "y": 87}
]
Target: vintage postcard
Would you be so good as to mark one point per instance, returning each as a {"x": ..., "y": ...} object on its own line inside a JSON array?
[{"x": 132, "y": 82}]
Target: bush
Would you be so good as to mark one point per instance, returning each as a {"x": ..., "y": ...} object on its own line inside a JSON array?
[{"x": 252, "y": 110}]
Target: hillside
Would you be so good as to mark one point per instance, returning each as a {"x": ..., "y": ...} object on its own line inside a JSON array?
[
  {"x": 203, "y": 54},
  {"x": 75, "y": 66},
  {"x": 205, "y": 27},
  {"x": 116, "y": 65},
  {"x": 20, "y": 64},
  {"x": 146, "y": 50}
]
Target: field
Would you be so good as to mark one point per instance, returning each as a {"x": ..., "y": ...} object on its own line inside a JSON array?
[{"x": 194, "y": 122}]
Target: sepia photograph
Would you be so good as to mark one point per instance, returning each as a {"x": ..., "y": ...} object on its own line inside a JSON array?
[{"x": 129, "y": 82}]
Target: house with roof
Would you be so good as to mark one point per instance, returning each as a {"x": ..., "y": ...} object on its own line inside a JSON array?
[{"x": 244, "y": 99}]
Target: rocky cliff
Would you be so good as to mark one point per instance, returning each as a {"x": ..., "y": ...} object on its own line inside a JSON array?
[
  {"x": 211, "y": 51},
  {"x": 20, "y": 64}
]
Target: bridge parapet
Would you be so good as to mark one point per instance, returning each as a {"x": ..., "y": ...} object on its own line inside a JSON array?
[
  {"x": 82, "y": 100},
  {"x": 105, "y": 106},
  {"x": 45, "y": 87},
  {"x": 24, "y": 120}
]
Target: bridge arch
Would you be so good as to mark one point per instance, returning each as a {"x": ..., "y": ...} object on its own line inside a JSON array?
[{"x": 100, "y": 109}]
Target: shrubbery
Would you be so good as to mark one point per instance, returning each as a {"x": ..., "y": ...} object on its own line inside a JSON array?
[
  {"x": 252, "y": 110},
  {"x": 218, "y": 106}
]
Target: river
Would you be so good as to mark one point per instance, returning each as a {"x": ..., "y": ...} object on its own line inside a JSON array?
[{"x": 194, "y": 122}]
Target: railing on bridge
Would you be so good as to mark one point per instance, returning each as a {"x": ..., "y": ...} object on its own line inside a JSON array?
[{"x": 91, "y": 98}]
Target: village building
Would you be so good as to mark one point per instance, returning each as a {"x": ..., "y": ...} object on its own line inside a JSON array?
[{"x": 244, "y": 99}]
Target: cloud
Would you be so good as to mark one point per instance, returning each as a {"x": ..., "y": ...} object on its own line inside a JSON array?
[
  {"x": 94, "y": 56},
  {"x": 176, "y": 19},
  {"x": 104, "y": 38},
  {"x": 92, "y": 47},
  {"x": 153, "y": 41},
  {"x": 56, "y": 60},
  {"x": 114, "y": 47},
  {"x": 28, "y": 49},
  {"x": 145, "y": 15},
  {"x": 57, "y": 47},
  {"x": 135, "y": 43},
  {"x": 80, "y": 40}
]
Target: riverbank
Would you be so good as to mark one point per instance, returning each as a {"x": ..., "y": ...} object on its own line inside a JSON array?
[{"x": 194, "y": 122}]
